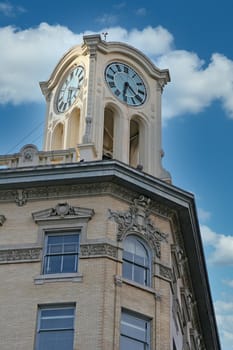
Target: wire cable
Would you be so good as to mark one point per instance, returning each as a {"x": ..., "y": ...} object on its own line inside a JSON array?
[{"x": 25, "y": 137}]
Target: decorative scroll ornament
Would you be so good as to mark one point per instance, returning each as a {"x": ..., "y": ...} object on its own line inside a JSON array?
[{"x": 136, "y": 220}]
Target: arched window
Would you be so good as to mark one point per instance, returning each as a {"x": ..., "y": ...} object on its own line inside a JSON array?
[
  {"x": 73, "y": 132},
  {"x": 134, "y": 143},
  {"x": 58, "y": 134},
  {"x": 136, "y": 260},
  {"x": 108, "y": 137}
]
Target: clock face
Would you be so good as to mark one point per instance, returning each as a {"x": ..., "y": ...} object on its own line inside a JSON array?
[
  {"x": 125, "y": 84},
  {"x": 70, "y": 88}
]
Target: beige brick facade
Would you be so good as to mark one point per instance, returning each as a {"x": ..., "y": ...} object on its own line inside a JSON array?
[{"x": 99, "y": 291}]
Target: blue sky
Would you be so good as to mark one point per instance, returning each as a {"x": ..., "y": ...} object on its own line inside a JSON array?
[{"x": 194, "y": 41}]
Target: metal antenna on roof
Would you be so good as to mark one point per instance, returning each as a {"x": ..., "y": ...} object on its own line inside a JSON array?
[{"x": 105, "y": 35}]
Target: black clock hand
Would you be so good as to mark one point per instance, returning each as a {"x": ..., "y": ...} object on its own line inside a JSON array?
[
  {"x": 126, "y": 84},
  {"x": 130, "y": 88}
]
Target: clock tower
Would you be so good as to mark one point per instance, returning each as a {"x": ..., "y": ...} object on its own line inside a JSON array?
[
  {"x": 104, "y": 100},
  {"x": 98, "y": 254}
]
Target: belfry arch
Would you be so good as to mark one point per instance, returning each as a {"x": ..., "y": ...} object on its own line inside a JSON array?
[
  {"x": 138, "y": 137},
  {"x": 58, "y": 137},
  {"x": 111, "y": 133},
  {"x": 73, "y": 134}
]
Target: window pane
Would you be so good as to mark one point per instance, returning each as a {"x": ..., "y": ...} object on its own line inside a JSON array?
[
  {"x": 57, "y": 318},
  {"x": 140, "y": 249},
  {"x": 139, "y": 275},
  {"x": 133, "y": 327},
  {"x": 70, "y": 248},
  {"x": 69, "y": 263},
  {"x": 127, "y": 270},
  {"x": 53, "y": 264},
  {"x": 66, "y": 312},
  {"x": 128, "y": 256},
  {"x": 140, "y": 260},
  {"x": 54, "y": 248},
  {"x": 56, "y": 323},
  {"x": 131, "y": 344},
  {"x": 55, "y": 340},
  {"x": 135, "y": 332},
  {"x": 71, "y": 238}
]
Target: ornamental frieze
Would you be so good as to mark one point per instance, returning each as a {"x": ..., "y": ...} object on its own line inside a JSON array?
[
  {"x": 20, "y": 255},
  {"x": 137, "y": 220},
  {"x": 98, "y": 249},
  {"x": 22, "y": 197}
]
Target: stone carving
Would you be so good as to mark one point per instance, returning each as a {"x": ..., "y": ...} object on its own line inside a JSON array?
[
  {"x": 62, "y": 210},
  {"x": 87, "y": 135},
  {"x": 2, "y": 219},
  {"x": 165, "y": 272},
  {"x": 20, "y": 254},
  {"x": 21, "y": 197},
  {"x": 28, "y": 155},
  {"x": 34, "y": 254},
  {"x": 98, "y": 249},
  {"x": 136, "y": 220},
  {"x": 71, "y": 191}
]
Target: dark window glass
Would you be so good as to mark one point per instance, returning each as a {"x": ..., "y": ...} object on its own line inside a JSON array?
[
  {"x": 55, "y": 329},
  {"x": 135, "y": 332},
  {"x": 61, "y": 254},
  {"x": 136, "y": 262}
]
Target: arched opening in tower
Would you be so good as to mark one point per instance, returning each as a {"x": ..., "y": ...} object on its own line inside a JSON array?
[
  {"x": 58, "y": 137},
  {"x": 74, "y": 129},
  {"x": 108, "y": 137},
  {"x": 134, "y": 143}
]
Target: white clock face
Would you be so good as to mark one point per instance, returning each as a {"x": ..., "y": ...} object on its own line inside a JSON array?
[
  {"x": 70, "y": 89},
  {"x": 125, "y": 83}
]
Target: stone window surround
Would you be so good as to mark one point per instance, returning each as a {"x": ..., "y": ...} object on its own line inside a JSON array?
[{"x": 61, "y": 219}]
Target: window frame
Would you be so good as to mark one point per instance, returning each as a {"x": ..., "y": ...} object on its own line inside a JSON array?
[
  {"x": 146, "y": 268},
  {"x": 60, "y": 233},
  {"x": 147, "y": 328},
  {"x": 40, "y": 331}
]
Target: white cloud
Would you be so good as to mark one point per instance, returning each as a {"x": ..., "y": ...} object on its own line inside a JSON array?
[
  {"x": 152, "y": 41},
  {"x": 9, "y": 10},
  {"x": 222, "y": 246},
  {"x": 203, "y": 215},
  {"x": 228, "y": 283},
  {"x": 141, "y": 11},
  {"x": 195, "y": 86},
  {"x": 224, "y": 316},
  {"x": 107, "y": 19},
  {"x": 29, "y": 56}
]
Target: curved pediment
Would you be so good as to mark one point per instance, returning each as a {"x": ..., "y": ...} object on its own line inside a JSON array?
[{"x": 62, "y": 211}]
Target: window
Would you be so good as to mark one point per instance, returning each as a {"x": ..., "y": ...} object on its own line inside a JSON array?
[
  {"x": 55, "y": 329},
  {"x": 136, "y": 261},
  {"x": 135, "y": 332},
  {"x": 61, "y": 253}
]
